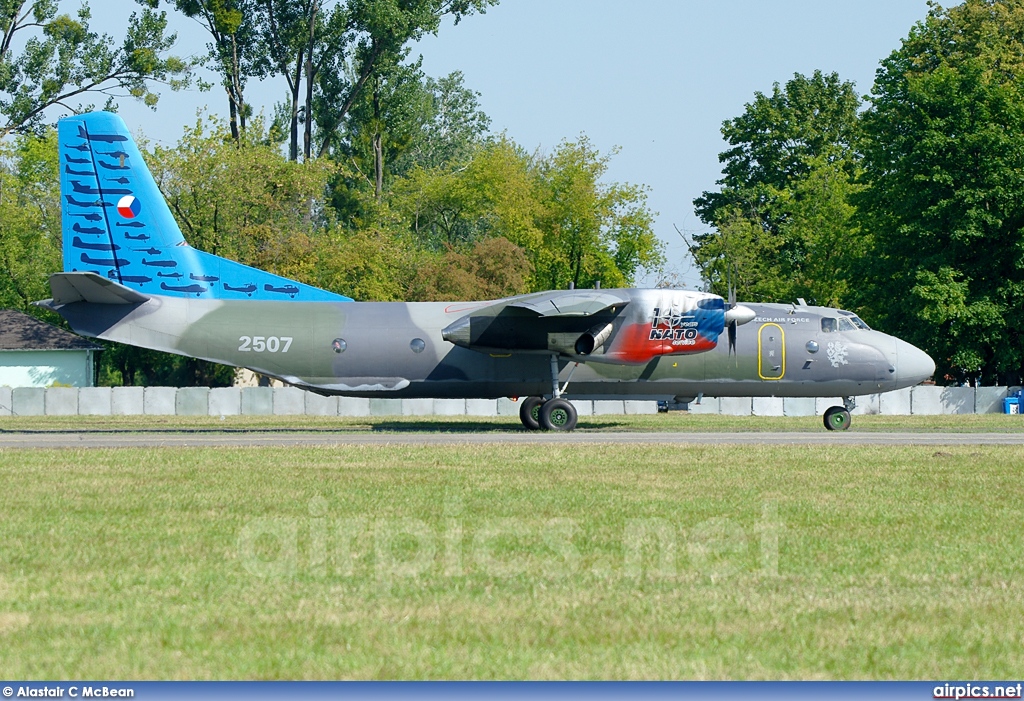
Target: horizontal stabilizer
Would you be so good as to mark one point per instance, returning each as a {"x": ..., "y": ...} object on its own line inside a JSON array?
[{"x": 90, "y": 287}]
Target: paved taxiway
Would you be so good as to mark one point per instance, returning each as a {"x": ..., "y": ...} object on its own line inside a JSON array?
[{"x": 212, "y": 438}]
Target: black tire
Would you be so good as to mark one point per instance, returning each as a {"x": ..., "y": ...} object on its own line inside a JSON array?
[
  {"x": 529, "y": 412},
  {"x": 558, "y": 415},
  {"x": 837, "y": 419}
]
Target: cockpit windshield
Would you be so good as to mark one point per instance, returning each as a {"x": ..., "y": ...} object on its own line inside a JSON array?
[{"x": 847, "y": 322}]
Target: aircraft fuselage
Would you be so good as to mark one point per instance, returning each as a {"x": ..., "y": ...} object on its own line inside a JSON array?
[{"x": 393, "y": 349}]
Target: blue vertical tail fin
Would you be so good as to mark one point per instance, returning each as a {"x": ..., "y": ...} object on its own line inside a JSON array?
[{"x": 117, "y": 224}]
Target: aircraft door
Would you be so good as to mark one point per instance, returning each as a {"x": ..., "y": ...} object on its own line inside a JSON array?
[{"x": 771, "y": 352}]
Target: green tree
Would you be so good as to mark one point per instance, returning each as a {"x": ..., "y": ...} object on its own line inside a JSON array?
[
  {"x": 593, "y": 232},
  {"x": 303, "y": 39},
  {"x": 30, "y": 229},
  {"x": 383, "y": 125},
  {"x": 327, "y": 51},
  {"x": 61, "y": 59},
  {"x": 790, "y": 172},
  {"x": 490, "y": 269},
  {"x": 497, "y": 192},
  {"x": 251, "y": 204},
  {"x": 381, "y": 33},
  {"x": 573, "y": 227},
  {"x": 234, "y": 51},
  {"x": 453, "y": 125},
  {"x": 944, "y": 168}
]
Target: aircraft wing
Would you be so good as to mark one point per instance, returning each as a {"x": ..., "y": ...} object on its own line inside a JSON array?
[
  {"x": 566, "y": 302},
  {"x": 556, "y": 321}
]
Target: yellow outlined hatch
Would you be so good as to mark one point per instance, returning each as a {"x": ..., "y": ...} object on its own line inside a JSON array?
[{"x": 765, "y": 364}]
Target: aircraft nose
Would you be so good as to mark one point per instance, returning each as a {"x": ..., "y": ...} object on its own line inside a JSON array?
[{"x": 913, "y": 365}]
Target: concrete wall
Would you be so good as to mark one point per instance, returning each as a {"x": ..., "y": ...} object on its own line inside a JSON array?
[
  {"x": 923, "y": 399},
  {"x": 290, "y": 401}
]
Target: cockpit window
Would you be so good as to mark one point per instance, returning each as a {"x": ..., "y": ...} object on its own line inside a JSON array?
[
  {"x": 854, "y": 319},
  {"x": 847, "y": 322}
]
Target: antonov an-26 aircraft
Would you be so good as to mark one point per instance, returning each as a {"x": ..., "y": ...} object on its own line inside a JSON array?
[{"x": 129, "y": 276}]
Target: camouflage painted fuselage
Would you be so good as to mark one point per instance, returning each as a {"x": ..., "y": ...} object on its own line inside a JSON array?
[{"x": 370, "y": 349}]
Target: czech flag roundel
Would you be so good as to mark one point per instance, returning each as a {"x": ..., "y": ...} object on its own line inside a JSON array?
[{"x": 128, "y": 207}]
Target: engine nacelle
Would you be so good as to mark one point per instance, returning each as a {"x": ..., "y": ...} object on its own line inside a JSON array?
[
  {"x": 671, "y": 322},
  {"x": 593, "y": 339}
]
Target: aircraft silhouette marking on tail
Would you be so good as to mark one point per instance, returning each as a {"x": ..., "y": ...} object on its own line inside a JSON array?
[
  {"x": 105, "y": 262},
  {"x": 132, "y": 224},
  {"x": 247, "y": 289},
  {"x": 76, "y": 161},
  {"x": 108, "y": 138},
  {"x": 291, "y": 290},
  {"x": 88, "y": 216},
  {"x": 94, "y": 203},
  {"x": 121, "y": 157},
  {"x": 69, "y": 171},
  {"x": 160, "y": 263},
  {"x": 78, "y": 186},
  {"x": 111, "y": 166},
  {"x": 203, "y": 278},
  {"x": 122, "y": 180},
  {"x": 91, "y": 230},
  {"x": 137, "y": 279},
  {"x": 177, "y": 276},
  {"x": 79, "y": 243},
  {"x": 80, "y": 147},
  {"x": 140, "y": 237},
  {"x": 190, "y": 289},
  {"x": 148, "y": 251}
]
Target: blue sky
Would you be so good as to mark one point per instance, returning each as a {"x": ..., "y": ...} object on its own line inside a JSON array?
[{"x": 655, "y": 79}]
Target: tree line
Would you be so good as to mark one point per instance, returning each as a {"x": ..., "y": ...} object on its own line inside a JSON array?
[
  {"x": 370, "y": 178},
  {"x": 906, "y": 205},
  {"x": 375, "y": 180}
]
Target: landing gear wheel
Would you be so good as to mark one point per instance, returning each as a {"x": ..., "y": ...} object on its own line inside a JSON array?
[
  {"x": 557, "y": 415},
  {"x": 529, "y": 412},
  {"x": 837, "y": 419}
]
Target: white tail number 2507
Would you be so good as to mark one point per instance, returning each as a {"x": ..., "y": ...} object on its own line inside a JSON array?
[{"x": 261, "y": 344}]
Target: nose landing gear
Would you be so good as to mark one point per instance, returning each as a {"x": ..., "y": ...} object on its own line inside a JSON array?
[{"x": 837, "y": 418}]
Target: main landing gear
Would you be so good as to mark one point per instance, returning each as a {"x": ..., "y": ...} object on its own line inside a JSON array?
[
  {"x": 837, "y": 418},
  {"x": 555, "y": 414}
]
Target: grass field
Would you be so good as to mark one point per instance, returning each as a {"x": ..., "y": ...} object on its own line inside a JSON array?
[
  {"x": 671, "y": 421},
  {"x": 595, "y": 561}
]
